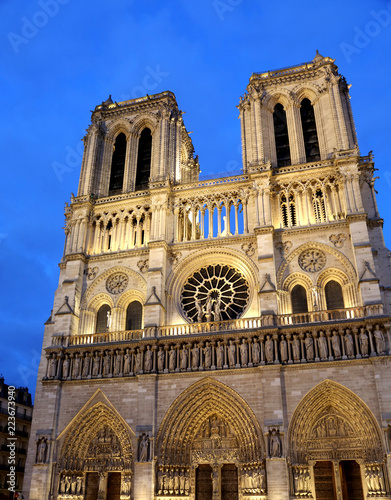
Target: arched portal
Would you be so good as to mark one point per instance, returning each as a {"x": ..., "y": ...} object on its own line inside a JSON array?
[
  {"x": 332, "y": 435},
  {"x": 209, "y": 424},
  {"x": 96, "y": 458}
]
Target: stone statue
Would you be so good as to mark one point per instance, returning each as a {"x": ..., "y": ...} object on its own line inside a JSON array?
[
  {"x": 148, "y": 359},
  {"x": 349, "y": 346},
  {"x": 255, "y": 349},
  {"x": 200, "y": 310},
  {"x": 379, "y": 340},
  {"x": 86, "y": 365},
  {"x": 65, "y": 367},
  {"x": 62, "y": 485},
  {"x": 117, "y": 363},
  {"x": 183, "y": 358},
  {"x": 53, "y": 366},
  {"x": 219, "y": 355},
  {"x": 176, "y": 481},
  {"x": 41, "y": 453},
  {"x": 309, "y": 347},
  {"x": 296, "y": 348},
  {"x": 106, "y": 363},
  {"x": 363, "y": 338},
  {"x": 160, "y": 359},
  {"x": 79, "y": 485},
  {"x": 73, "y": 485},
  {"x": 269, "y": 349},
  {"x": 217, "y": 310},
  {"x": 215, "y": 481},
  {"x": 127, "y": 361},
  {"x": 195, "y": 358},
  {"x": 231, "y": 353},
  {"x": 275, "y": 444},
  {"x": 208, "y": 355},
  {"x": 243, "y": 352},
  {"x": 95, "y": 365},
  {"x": 160, "y": 480},
  {"x": 172, "y": 359},
  {"x": 322, "y": 343},
  {"x": 109, "y": 320},
  {"x": 336, "y": 345},
  {"x": 138, "y": 361},
  {"x": 76, "y": 367},
  {"x": 283, "y": 350},
  {"x": 182, "y": 481},
  {"x": 143, "y": 448},
  {"x": 126, "y": 485},
  {"x": 208, "y": 308}
]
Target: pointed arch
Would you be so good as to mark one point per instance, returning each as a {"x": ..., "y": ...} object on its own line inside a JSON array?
[
  {"x": 309, "y": 437},
  {"x": 96, "y": 415},
  {"x": 200, "y": 401}
]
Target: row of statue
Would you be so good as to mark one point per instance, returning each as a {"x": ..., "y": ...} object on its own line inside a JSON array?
[
  {"x": 375, "y": 479},
  {"x": 253, "y": 480},
  {"x": 71, "y": 485},
  {"x": 220, "y": 354},
  {"x": 302, "y": 482},
  {"x": 173, "y": 480}
]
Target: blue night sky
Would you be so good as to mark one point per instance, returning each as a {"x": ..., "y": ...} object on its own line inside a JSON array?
[{"x": 59, "y": 64}]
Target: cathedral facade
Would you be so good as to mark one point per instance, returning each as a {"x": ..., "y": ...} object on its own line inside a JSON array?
[{"x": 226, "y": 339}]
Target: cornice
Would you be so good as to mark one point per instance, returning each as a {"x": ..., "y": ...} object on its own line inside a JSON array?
[
  {"x": 311, "y": 229},
  {"x": 135, "y": 252},
  {"x": 215, "y": 242}
]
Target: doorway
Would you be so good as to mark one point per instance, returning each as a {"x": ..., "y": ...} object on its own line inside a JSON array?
[
  {"x": 204, "y": 487},
  {"x": 229, "y": 482},
  {"x": 351, "y": 480},
  {"x": 324, "y": 481},
  {"x": 92, "y": 486}
]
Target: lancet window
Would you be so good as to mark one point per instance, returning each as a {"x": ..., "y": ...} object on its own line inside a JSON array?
[
  {"x": 118, "y": 165},
  {"x": 144, "y": 160},
  {"x": 318, "y": 202},
  {"x": 310, "y": 134},
  {"x": 134, "y": 316},
  {"x": 103, "y": 319},
  {"x": 288, "y": 210},
  {"x": 281, "y": 136},
  {"x": 334, "y": 295},
  {"x": 299, "y": 300}
]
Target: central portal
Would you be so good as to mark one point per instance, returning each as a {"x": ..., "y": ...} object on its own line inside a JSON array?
[
  {"x": 229, "y": 482},
  {"x": 204, "y": 486}
]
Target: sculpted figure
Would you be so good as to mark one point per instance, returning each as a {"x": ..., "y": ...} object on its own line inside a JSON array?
[
  {"x": 106, "y": 363},
  {"x": 172, "y": 359},
  {"x": 283, "y": 349},
  {"x": 79, "y": 485},
  {"x": 275, "y": 444},
  {"x": 95, "y": 365},
  {"x": 296, "y": 348},
  {"x": 208, "y": 308},
  {"x": 200, "y": 311},
  {"x": 363, "y": 338},
  {"x": 143, "y": 448},
  {"x": 65, "y": 367},
  {"x": 76, "y": 367},
  {"x": 195, "y": 359},
  {"x": 219, "y": 355},
  {"x": 67, "y": 484},
  {"x": 184, "y": 357},
  {"x": 160, "y": 359},
  {"x": 41, "y": 455},
  {"x": 336, "y": 344},
  {"x": 127, "y": 361},
  {"x": 53, "y": 366},
  {"x": 309, "y": 347},
  {"x": 255, "y": 352},
  {"x": 217, "y": 310},
  {"x": 73, "y": 485},
  {"x": 349, "y": 346},
  {"x": 86, "y": 365},
  {"x": 62, "y": 485},
  {"x": 160, "y": 479},
  {"x": 269, "y": 349},
  {"x": 109, "y": 320},
  {"x": 243, "y": 352},
  {"x": 322, "y": 343},
  {"x": 117, "y": 363},
  {"x": 379, "y": 340},
  {"x": 137, "y": 361},
  {"x": 187, "y": 482},
  {"x": 148, "y": 359},
  {"x": 182, "y": 481},
  {"x": 262, "y": 480},
  {"x": 231, "y": 353},
  {"x": 126, "y": 486},
  {"x": 208, "y": 355}
]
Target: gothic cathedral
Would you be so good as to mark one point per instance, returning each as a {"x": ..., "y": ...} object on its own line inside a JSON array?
[{"x": 225, "y": 339}]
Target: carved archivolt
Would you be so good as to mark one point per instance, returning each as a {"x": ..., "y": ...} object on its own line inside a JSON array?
[
  {"x": 202, "y": 258},
  {"x": 91, "y": 290},
  {"x": 197, "y": 407},
  {"x": 345, "y": 262},
  {"x": 89, "y": 433},
  {"x": 329, "y": 418},
  {"x": 297, "y": 279},
  {"x": 332, "y": 274}
]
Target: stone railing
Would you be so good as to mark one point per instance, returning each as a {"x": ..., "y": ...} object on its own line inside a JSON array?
[{"x": 214, "y": 351}]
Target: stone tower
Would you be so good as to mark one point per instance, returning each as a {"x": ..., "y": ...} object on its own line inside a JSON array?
[{"x": 225, "y": 339}]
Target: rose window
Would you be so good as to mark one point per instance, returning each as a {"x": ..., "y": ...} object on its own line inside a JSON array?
[
  {"x": 312, "y": 260},
  {"x": 117, "y": 283},
  {"x": 215, "y": 293}
]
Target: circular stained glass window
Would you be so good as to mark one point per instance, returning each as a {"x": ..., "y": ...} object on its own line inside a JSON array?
[{"x": 215, "y": 293}]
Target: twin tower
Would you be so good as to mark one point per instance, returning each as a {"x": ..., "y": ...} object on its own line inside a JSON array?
[{"x": 227, "y": 338}]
